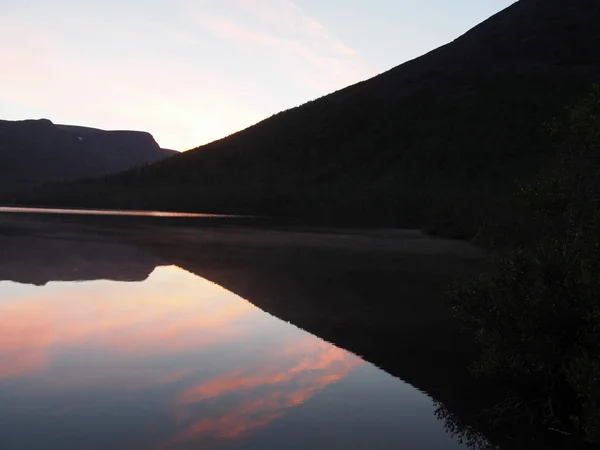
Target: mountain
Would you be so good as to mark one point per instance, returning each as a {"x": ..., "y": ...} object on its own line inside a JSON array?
[
  {"x": 436, "y": 142},
  {"x": 37, "y": 151}
]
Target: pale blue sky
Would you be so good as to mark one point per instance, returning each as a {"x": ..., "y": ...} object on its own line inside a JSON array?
[{"x": 193, "y": 71}]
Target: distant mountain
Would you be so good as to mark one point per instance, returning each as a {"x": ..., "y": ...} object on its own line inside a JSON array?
[
  {"x": 435, "y": 142},
  {"x": 37, "y": 151}
]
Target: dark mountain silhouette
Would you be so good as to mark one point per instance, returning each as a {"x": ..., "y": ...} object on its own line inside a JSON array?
[
  {"x": 37, "y": 151},
  {"x": 435, "y": 142}
]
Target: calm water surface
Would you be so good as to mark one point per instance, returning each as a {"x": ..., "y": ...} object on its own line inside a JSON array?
[
  {"x": 177, "y": 362},
  {"x": 109, "y": 212}
]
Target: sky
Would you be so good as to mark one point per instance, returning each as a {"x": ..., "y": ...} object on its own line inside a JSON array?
[{"x": 192, "y": 71}]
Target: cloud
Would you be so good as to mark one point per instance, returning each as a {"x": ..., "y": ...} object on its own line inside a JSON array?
[
  {"x": 295, "y": 40},
  {"x": 288, "y": 17}
]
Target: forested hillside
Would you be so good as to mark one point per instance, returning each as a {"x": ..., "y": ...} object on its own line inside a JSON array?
[{"x": 436, "y": 142}]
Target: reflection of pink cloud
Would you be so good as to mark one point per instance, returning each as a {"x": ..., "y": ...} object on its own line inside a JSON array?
[
  {"x": 324, "y": 357},
  {"x": 171, "y": 312},
  {"x": 13, "y": 365},
  {"x": 146, "y": 318},
  {"x": 20, "y": 342},
  {"x": 170, "y": 378},
  {"x": 236, "y": 424},
  {"x": 290, "y": 377}
]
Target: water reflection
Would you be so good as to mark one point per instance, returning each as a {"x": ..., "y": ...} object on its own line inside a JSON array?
[
  {"x": 172, "y": 362},
  {"x": 37, "y": 253},
  {"x": 262, "y": 394},
  {"x": 109, "y": 212},
  {"x": 159, "y": 317}
]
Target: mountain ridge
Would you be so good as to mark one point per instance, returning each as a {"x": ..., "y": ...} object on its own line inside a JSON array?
[
  {"x": 428, "y": 142},
  {"x": 34, "y": 152}
]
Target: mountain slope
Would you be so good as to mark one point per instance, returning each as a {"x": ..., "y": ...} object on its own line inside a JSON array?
[
  {"x": 436, "y": 139},
  {"x": 38, "y": 151}
]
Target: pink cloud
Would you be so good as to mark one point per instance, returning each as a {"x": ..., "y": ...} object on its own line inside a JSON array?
[{"x": 316, "y": 58}]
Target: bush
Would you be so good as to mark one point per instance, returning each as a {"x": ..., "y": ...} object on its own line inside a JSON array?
[{"x": 537, "y": 317}]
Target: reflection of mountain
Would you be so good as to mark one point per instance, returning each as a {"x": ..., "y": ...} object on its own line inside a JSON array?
[
  {"x": 175, "y": 335},
  {"x": 36, "y": 254},
  {"x": 375, "y": 295}
]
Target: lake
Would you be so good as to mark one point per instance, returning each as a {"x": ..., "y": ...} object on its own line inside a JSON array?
[
  {"x": 104, "y": 344},
  {"x": 108, "y": 212}
]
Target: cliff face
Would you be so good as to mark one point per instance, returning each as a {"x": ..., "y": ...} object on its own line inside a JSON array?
[{"x": 37, "y": 151}]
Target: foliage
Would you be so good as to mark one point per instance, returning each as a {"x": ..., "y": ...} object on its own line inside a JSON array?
[
  {"x": 464, "y": 433},
  {"x": 537, "y": 317}
]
